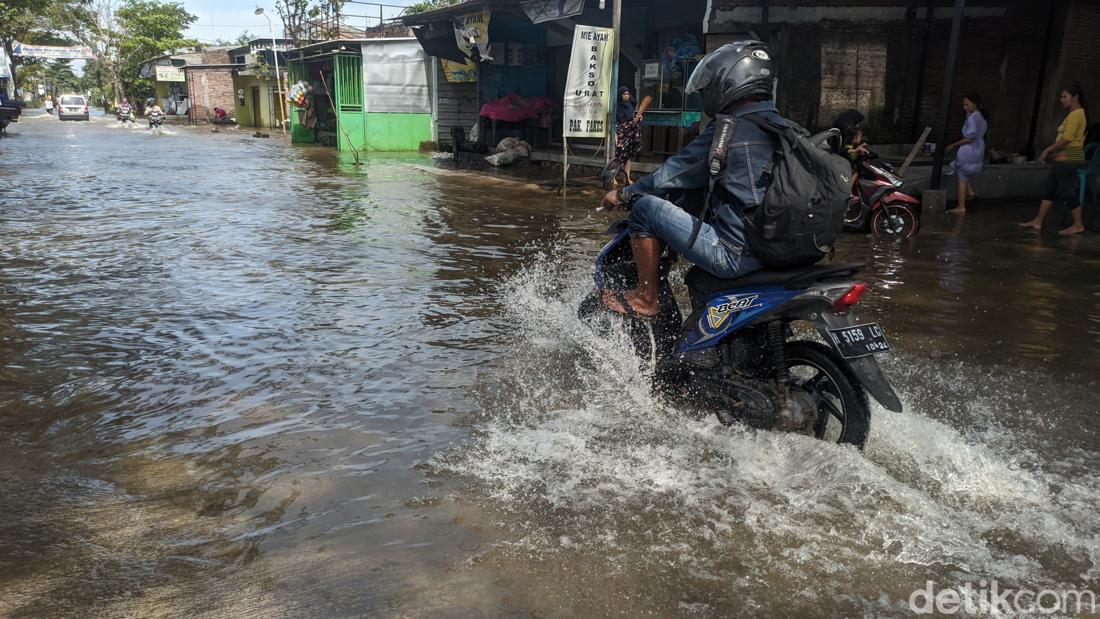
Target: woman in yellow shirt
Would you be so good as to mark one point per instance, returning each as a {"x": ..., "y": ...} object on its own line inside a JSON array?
[{"x": 1068, "y": 152}]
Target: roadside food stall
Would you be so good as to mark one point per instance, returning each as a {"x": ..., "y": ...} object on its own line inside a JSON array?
[
  {"x": 169, "y": 80},
  {"x": 361, "y": 95},
  {"x": 523, "y": 50}
]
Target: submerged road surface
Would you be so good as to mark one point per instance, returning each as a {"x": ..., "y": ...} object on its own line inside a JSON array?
[{"x": 241, "y": 379}]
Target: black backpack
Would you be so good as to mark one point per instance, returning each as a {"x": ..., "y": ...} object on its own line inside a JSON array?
[{"x": 803, "y": 210}]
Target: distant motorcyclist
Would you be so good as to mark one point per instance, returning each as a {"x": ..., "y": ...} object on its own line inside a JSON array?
[
  {"x": 736, "y": 80},
  {"x": 153, "y": 113},
  {"x": 125, "y": 111}
]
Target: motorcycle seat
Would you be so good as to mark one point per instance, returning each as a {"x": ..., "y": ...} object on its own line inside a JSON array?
[{"x": 799, "y": 277}]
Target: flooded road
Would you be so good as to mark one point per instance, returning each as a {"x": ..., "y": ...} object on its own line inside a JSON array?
[{"x": 242, "y": 379}]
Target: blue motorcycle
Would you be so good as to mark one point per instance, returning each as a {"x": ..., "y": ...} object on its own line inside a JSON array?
[{"x": 737, "y": 355}]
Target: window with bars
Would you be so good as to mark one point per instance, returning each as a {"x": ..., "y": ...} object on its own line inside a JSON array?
[{"x": 349, "y": 83}]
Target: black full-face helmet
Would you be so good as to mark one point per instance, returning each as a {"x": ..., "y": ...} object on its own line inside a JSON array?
[{"x": 732, "y": 73}]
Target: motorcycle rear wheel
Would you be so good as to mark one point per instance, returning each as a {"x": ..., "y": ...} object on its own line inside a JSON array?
[
  {"x": 895, "y": 221},
  {"x": 843, "y": 415}
]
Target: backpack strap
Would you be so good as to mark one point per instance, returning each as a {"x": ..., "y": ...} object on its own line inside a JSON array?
[
  {"x": 716, "y": 160},
  {"x": 723, "y": 135}
]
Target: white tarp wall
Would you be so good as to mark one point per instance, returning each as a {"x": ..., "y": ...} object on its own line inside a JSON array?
[
  {"x": 5, "y": 73},
  {"x": 395, "y": 76}
]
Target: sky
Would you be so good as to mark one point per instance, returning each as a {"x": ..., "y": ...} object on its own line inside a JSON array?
[{"x": 225, "y": 19}]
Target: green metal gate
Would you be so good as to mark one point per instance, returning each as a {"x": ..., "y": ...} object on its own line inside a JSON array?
[{"x": 348, "y": 71}]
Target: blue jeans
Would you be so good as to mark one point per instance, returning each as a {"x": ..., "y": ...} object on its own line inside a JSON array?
[{"x": 653, "y": 217}]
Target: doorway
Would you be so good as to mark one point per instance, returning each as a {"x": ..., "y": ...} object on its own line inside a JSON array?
[{"x": 257, "y": 111}]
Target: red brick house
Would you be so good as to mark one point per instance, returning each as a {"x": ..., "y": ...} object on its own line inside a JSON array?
[{"x": 210, "y": 85}]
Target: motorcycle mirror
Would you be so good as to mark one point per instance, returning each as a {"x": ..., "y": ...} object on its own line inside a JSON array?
[{"x": 827, "y": 140}]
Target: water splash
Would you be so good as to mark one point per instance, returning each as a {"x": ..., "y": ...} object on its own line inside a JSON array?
[{"x": 582, "y": 458}]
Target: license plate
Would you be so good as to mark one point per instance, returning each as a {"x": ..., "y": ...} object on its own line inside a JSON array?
[{"x": 859, "y": 340}]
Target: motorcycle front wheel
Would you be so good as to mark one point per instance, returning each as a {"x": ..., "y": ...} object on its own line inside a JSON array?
[
  {"x": 843, "y": 414},
  {"x": 895, "y": 220}
]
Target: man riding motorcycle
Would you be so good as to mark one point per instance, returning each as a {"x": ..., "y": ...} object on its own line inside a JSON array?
[
  {"x": 736, "y": 79},
  {"x": 154, "y": 113},
  {"x": 125, "y": 111}
]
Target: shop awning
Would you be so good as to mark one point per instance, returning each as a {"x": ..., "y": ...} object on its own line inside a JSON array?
[{"x": 438, "y": 39}]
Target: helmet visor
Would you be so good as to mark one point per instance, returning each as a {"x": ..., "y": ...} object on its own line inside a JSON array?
[{"x": 701, "y": 77}]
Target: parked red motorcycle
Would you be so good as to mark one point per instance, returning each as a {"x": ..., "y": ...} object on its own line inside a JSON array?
[{"x": 879, "y": 204}]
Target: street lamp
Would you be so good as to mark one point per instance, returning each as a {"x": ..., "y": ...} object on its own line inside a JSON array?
[{"x": 278, "y": 76}]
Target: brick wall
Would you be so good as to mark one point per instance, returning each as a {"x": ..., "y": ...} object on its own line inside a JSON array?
[
  {"x": 209, "y": 85},
  {"x": 1072, "y": 61},
  {"x": 208, "y": 88},
  {"x": 882, "y": 53}
]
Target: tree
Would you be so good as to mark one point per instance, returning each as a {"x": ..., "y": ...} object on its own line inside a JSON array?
[
  {"x": 37, "y": 21},
  {"x": 245, "y": 37},
  {"x": 304, "y": 20},
  {"x": 59, "y": 77},
  {"x": 428, "y": 5},
  {"x": 149, "y": 29},
  {"x": 126, "y": 34}
]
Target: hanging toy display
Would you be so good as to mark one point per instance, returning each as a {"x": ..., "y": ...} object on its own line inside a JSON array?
[{"x": 299, "y": 93}]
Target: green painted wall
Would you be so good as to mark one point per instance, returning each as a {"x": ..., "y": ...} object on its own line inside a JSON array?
[
  {"x": 299, "y": 132},
  {"x": 350, "y": 131},
  {"x": 393, "y": 131}
]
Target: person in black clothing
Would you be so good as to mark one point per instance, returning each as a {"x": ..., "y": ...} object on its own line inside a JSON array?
[{"x": 628, "y": 135}]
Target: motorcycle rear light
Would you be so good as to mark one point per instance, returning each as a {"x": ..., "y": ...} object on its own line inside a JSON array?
[{"x": 850, "y": 298}]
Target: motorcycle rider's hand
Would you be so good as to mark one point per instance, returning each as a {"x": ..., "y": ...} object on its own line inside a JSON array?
[{"x": 610, "y": 200}]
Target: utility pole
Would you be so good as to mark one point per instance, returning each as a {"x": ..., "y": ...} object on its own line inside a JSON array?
[
  {"x": 616, "y": 16},
  {"x": 945, "y": 105},
  {"x": 278, "y": 75}
]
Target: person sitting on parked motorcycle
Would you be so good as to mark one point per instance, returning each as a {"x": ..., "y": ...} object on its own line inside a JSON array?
[
  {"x": 852, "y": 145},
  {"x": 858, "y": 147},
  {"x": 736, "y": 79},
  {"x": 848, "y": 123}
]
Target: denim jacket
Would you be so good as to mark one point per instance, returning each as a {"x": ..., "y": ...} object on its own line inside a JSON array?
[{"x": 742, "y": 177}]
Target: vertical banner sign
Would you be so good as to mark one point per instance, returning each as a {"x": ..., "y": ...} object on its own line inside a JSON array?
[{"x": 588, "y": 87}]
